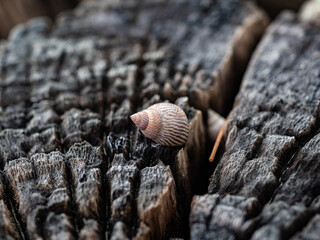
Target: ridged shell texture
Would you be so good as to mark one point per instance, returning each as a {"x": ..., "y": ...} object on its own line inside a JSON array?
[{"x": 164, "y": 123}]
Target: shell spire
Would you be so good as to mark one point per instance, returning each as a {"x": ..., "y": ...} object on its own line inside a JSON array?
[
  {"x": 140, "y": 119},
  {"x": 164, "y": 123}
]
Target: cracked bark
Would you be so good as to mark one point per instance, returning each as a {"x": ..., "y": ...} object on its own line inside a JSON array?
[
  {"x": 272, "y": 144},
  {"x": 75, "y": 167}
]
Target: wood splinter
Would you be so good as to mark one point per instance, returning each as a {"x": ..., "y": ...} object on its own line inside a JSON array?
[{"x": 218, "y": 141}]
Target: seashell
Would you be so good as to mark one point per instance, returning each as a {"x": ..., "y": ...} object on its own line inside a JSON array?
[{"x": 164, "y": 123}]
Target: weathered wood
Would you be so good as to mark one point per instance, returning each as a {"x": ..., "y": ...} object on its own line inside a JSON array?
[
  {"x": 127, "y": 178},
  {"x": 8, "y": 227},
  {"x": 272, "y": 146},
  {"x": 187, "y": 53},
  {"x": 26, "y": 144},
  {"x": 86, "y": 166},
  {"x": 311, "y": 231},
  {"x": 17, "y": 11},
  {"x": 259, "y": 123},
  {"x": 121, "y": 179},
  {"x": 78, "y": 126},
  {"x": 39, "y": 188},
  {"x": 296, "y": 201},
  {"x": 156, "y": 183},
  {"x": 216, "y": 217},
  {"x": 68, "y": 90}
]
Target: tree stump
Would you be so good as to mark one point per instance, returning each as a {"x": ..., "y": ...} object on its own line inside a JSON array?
[
  {"x": 73, "y": 164},
  {"x": 267, "y": 184}
]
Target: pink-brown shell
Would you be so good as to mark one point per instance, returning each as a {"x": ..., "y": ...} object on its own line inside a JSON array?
[{"x": 164, "y": 123}]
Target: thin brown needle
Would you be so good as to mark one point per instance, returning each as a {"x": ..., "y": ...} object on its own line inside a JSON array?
[{"x": 218, "y": 141}]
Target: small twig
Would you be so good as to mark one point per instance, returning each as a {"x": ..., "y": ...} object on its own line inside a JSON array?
[{"x": 218, "y": 141}]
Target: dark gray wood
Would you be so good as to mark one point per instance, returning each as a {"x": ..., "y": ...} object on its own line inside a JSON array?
[
  {"x": 121, "y": 179},
  {"x": 8, "y": 226},
  {"x": 190, "y": 47},
  {"x": 86, "y": 165},
  {"x": 272, "y": 143},
  {"x": 216, "y": 217},
  {"x": 75, "y": 166},
  {"x": 17, "y": 11},
  {"x": 78, "y": 126},
  {"x": 41, "y": 196},
  {"x": 156, "y": 183},
  {"x": 311, "y": 231}
]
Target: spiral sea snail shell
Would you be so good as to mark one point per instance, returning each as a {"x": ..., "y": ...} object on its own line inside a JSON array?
[{"x": 164, "y": 123}]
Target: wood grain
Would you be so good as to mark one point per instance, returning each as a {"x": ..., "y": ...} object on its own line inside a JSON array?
[
  {"x": 75, "y": 166},
  {"x": 272, "y": 148}
]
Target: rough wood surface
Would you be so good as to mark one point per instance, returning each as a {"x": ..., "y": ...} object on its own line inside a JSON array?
[
  {"x": 39, "y": 190},
  {"x": 74, "y": 166},
  {"x": 185, "y": 53},
  {"x": 19, "y": 11},
  {"x": 8, "y": 227},
  {"x": 270, "y": 167}
]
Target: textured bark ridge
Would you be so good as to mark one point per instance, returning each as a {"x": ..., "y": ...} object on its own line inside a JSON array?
[
  {"x": 74, "y": 165},
  {"x": 270, "y": 166},
  {"x": 8, "y": 227},
  {"x": 39, "y": 190},
  {"x": 188, "y": 48}
]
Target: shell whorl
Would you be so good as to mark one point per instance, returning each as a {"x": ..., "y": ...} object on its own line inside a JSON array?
[{"x": 164, "y": 123}]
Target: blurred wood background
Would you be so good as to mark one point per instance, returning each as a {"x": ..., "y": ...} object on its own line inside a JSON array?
[
  {"x": 274, "y": 7},
  {"x": 13, "y": 12}
]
